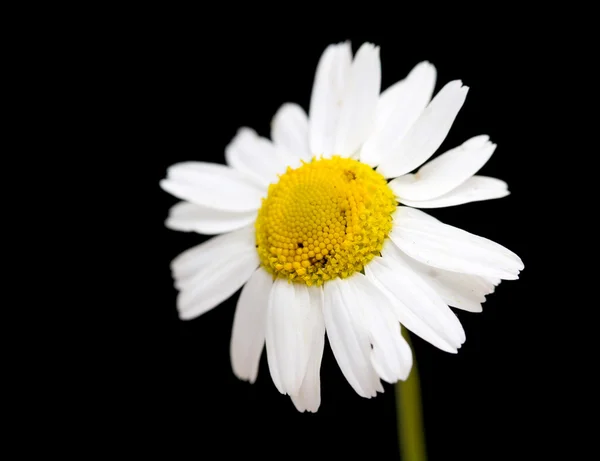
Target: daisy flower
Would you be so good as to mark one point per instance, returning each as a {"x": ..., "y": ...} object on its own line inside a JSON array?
[{"x": 320, "y": 226}]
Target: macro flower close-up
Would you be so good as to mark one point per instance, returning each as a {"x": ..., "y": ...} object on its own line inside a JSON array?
[{"x": 326, "y": 229}]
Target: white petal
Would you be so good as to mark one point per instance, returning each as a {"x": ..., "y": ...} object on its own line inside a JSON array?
[
  {"x": 309, "y": 395},
  {"x": 348, "y": 335},
  {"x": 186, "y": 217},
  {"x": 397, "y": 109},
  {"x": 291, "y": 321},
  {"x": 357, "y": 114},
  {"x": 391, "y": 356},
  {"x": 214, "y": 288},
  {"x": 211, "y": 272},
  {"x": 417, "y": 306},
  {"x": 192, "y": 261},
  {"x": 249, "y": 324},
  {"x": 446, "y": 172},
  {"x": 426, "y": 134},
  {"x": 212, "y": 185},
  {"x": 289, "y": 130},
  {"x": 474, "y": 189},
  {"x": 272, "y": 357},
  {"x": 326, "y": 99},
  {"x": 462, "y": 291},
  {"x": 446, "y": 247},
  {"x": 258, "y": 158},
  {"x": 494, "y": 281}
]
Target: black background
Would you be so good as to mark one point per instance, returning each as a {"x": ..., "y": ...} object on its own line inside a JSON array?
[{"x": 185, "y": 92}]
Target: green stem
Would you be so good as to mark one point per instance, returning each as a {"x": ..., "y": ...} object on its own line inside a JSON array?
[{"x": 408, "y": 414}]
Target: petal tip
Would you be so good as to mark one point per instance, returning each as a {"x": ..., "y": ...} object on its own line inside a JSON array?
[
  {"x": 164, "y": 185},
  {"x": 185, "y": 314}
]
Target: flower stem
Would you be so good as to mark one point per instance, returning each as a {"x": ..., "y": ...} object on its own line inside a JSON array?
[{"x": 409, "y": 419}]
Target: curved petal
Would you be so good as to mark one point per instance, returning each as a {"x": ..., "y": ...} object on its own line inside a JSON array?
[
  {"x": 462, "y": 291},
  {"x": 291, "y": 321},
  {"x": 359, "y": 102},
  {"x": 349, "y": 336},
  {"x": 426, "y": 134},
  {"x": 258, "y": 158},
  {"x": 211, "y": 272},
  {"x": 390, "y": 356},
  {"x": 188, "y": 217},
  {"x": 325, "y": 103},
  {"x": 213, "y": 186},
  {"x": 418, "y": 307},
  {"x": 193, "y": 260},
  {"x": 446, "y": 172},
  {"x": 474, "y": 189},
  {"x": 249, "y": 325},
  {"x": 289, "y": 130},
  {"x": 212, "y": 290},
  {"x": 397, "y": 109},
  {"x": 445, "y": 247},
  {"x": 309, "y": 395}
]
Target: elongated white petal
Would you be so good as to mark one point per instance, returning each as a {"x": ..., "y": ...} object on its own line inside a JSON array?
[
  {"x": 390, "y": 356},
  {"x": 426, "y": 134},
  {"x": 249, "y": 325},
  {"x": 440, "y": 245},
  {"x": 258, "y": 158},
  {"x": 446, "y": 172},
  {"x": 463, "y": 291},
  {"x": 327, "y": 95},
  {"x": 474, "y": 189},
  {"x": 417, "y": 306},
  {"x": 289, "y": 130},
  {"x": 211, "y": 272},
  {"x": 193, "y": 260},
  {"x": 361, "y": 94},
  {"x": 291, "y": 322},
  {"x": 272, "y": 357},
  {"x": 309, "y": 395},
  {"x": 188, "y": 217},
  {"x": 397, "y": 109},
  {"x": 349, "y": 336},
  {"x": 212, "y": 290},
  {"x": 213, "y": 186}
]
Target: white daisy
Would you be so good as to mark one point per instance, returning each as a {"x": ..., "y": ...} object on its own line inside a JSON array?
[{"x": 313, "y": 231}]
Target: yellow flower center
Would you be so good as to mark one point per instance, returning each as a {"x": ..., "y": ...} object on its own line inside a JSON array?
[{"x": 325, "y": 219}]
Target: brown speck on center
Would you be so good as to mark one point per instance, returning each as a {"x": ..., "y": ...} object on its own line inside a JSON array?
[{"x": 349, "y": 175}]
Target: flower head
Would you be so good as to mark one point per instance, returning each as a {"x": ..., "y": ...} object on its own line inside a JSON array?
[{"x": 321, "y": 229}]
